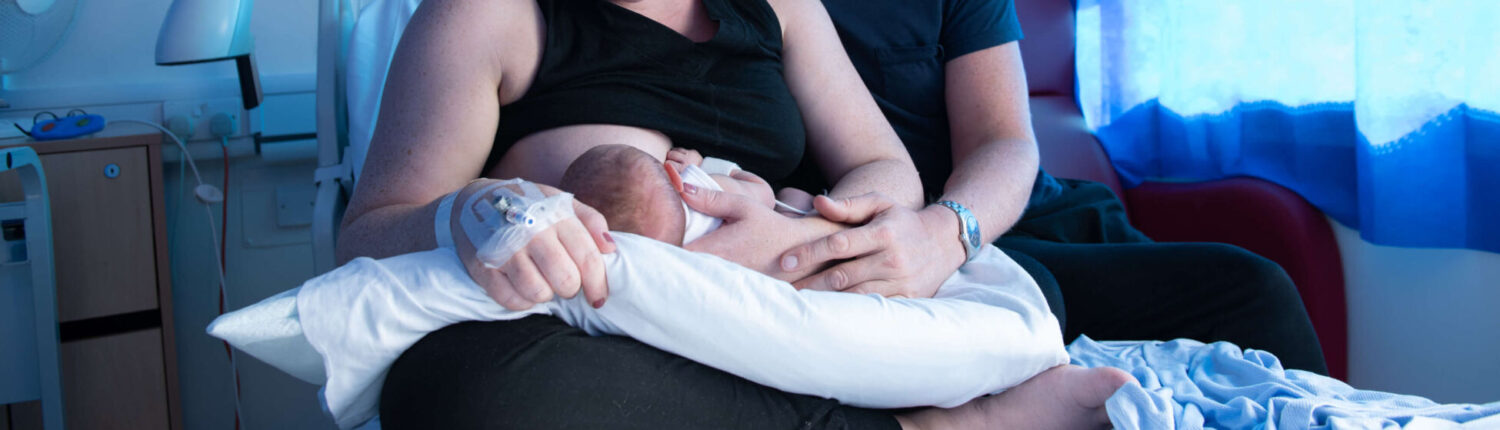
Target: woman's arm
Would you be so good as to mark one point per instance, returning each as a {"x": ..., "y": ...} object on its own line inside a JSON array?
[
  {"x": 444, "y": 72},
  {"x": 438, "y": 116},
  {"x": 847, "y": 134}
]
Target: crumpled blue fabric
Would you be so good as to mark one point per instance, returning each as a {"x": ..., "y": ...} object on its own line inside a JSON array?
[{"x": 1186, "y": 384}]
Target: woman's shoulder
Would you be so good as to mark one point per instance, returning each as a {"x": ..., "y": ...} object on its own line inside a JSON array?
[{"x": 504, "y": 35}]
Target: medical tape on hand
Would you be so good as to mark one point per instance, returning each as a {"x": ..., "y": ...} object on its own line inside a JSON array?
[
  {"x": 441, "y": 229},
  {"x": 500, "y": 221}
]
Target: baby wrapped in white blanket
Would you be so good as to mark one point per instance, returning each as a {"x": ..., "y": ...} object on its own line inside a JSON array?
[{"x": 987, "y": 329}]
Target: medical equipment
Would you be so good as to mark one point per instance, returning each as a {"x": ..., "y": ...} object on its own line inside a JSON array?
[
  {"x": 503, "y": 216},
  {"x": 208, "y": 195},
  {"x": 27, "y": 373}
]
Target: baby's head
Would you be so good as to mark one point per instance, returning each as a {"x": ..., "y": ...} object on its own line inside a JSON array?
[{"x": 631, "y": 189}]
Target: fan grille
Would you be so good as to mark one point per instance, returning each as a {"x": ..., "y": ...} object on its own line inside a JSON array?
[{"x": 29, "y": 38}]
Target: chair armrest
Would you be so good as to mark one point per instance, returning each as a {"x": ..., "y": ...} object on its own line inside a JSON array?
[{"x": 1268, "y": 220}]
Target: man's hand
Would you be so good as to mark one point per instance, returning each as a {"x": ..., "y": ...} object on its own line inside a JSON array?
[
  {"x": 559, "y": 261},
  {"x": 896, "y": 252}
]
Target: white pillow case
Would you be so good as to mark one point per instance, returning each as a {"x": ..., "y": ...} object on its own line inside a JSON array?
[{"x": 988, "y": 329}]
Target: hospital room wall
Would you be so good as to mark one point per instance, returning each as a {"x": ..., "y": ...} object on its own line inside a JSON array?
[
  {"x": 1422, "y": 321},
  {"x": 105, "y": 64}
]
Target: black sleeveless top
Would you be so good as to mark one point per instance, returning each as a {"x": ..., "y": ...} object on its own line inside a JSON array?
[{"x": 726, "y": 98}]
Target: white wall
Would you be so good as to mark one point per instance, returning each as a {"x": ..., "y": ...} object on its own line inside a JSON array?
[
  {"x": 108, "y": 56},
  {"x": 1422, "y": 321},
  {"x": 106, "y": 64}
]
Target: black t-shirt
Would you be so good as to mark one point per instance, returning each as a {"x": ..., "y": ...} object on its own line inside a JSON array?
[{"x": 899, "y": 48}]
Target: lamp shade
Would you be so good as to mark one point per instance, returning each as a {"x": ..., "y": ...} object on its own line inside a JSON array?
[{"x": 204, "y": 30}]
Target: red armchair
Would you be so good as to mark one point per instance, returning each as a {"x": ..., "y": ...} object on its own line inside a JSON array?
[{"x": 1254, "y": 214}]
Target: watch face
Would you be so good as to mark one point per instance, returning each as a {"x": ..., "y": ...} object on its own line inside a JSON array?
[{"x": 972, "y": 230}]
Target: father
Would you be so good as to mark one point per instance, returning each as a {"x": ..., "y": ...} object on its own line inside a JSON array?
[{"x": 948, "y": 76}]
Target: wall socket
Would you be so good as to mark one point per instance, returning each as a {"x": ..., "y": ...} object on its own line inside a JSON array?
[{"x": 201, "y": 112}]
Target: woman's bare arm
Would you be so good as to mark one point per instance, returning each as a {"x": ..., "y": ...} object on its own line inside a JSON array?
[
  {"x": 846, "y": 132},
  {"x": 437, "y": 122},
  {"x": 849, "y": 137},
  {"x": 457, "y": 62}
]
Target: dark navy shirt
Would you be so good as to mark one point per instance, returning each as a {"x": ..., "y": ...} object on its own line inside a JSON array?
[{"x": 899, "y": 48}]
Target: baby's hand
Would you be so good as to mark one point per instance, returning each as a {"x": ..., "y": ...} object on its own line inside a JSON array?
[{"x": 685, "y": 156}]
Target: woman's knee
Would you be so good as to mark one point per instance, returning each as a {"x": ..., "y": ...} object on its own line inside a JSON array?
[{"x": 470, "y": 375}]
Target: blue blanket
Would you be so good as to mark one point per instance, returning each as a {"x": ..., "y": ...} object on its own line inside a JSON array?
[{"x": 1184, "y": 384}]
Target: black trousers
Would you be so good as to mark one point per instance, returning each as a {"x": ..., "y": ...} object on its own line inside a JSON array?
[
  {"x": 1162, "y": 291},
  {"x": 1105, "y": 279},
  {"x": 538, "y": 373},
  {"x": 1101, "y": 277}
]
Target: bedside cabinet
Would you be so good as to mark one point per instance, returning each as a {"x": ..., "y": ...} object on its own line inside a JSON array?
[{"x": 114, "y": 292}]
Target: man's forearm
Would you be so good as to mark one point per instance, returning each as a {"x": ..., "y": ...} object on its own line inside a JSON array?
[
  {"x": 387, "y": 231},
  {"x": 994, "y": 182},
  {"x": 896, "y": 179}
]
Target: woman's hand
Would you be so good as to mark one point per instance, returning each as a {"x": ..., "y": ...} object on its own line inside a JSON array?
[
  {"x": 896, "y": 252},
  {"x": 743, "y": 238},
  {"x": 558, "y": 261}
]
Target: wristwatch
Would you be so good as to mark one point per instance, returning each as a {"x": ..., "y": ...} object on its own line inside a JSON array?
[{"x": 968, "y": 230}]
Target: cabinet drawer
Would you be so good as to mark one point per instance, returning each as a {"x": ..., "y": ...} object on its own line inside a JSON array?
[
  {"x": 115, "y": 382},
  {"x": 102, "y": 232}
]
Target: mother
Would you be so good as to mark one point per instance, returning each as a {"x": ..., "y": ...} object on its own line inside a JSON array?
[{"x": 519, "y": 88}]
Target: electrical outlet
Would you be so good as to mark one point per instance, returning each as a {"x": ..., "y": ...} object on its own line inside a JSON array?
[{"x": 201, "y": 113}]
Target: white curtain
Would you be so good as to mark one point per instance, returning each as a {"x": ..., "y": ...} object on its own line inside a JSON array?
[{"x": 1366, "y": 107}]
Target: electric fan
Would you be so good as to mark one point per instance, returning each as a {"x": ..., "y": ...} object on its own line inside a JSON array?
[{"x": 29, "y": 30}]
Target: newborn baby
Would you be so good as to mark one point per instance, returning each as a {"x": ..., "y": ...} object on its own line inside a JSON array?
[{"x": 638, "y": 194}]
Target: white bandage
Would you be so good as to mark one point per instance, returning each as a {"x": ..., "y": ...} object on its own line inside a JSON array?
[
  {"x": 442, "y": 229},
  {"x": 499, "y": 221}
]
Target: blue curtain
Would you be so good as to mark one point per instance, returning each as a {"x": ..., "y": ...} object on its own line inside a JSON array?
[{"x": 1382, "y": 113}]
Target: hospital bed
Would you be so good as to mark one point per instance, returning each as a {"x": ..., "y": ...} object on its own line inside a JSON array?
[{"x": 1252, "y": 213}]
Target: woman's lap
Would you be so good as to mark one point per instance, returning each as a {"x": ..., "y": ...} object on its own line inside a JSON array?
[{"x": 540, "y": 373}]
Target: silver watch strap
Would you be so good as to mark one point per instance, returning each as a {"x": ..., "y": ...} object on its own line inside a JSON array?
[{"x": 968, "y": 228}]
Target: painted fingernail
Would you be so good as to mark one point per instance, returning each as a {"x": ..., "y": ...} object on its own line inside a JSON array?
[
  {"x": 789, "y": 262},
  {"x": 689, "y": 188},
  {"x": 598, "y": 303},
  {"x": 608, "y": 238}
]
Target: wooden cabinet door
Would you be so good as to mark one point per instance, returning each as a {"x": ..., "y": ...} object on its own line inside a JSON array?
[
  {"x": 115, "y": 382},
  {"x": 102, "y": 232}
]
